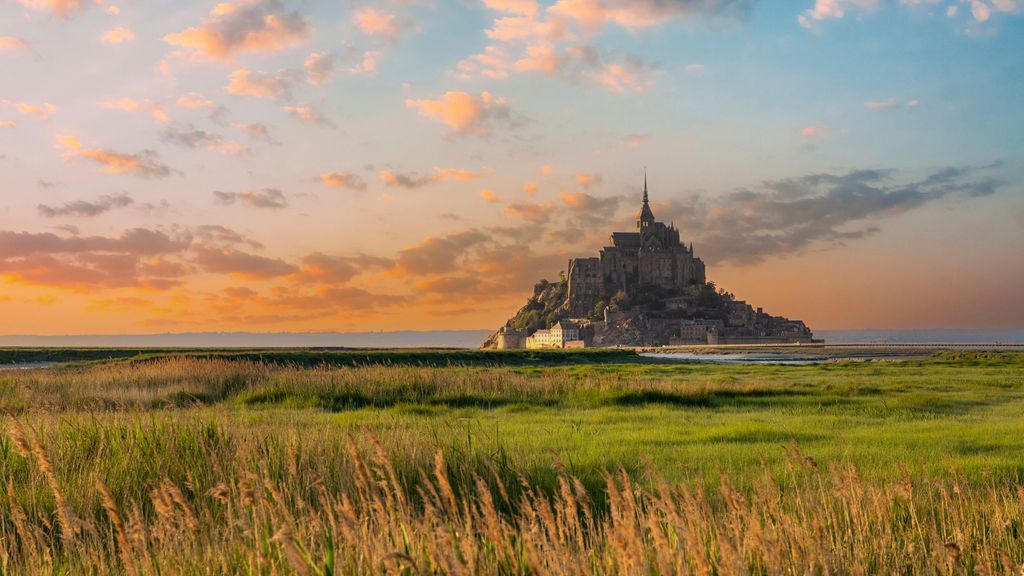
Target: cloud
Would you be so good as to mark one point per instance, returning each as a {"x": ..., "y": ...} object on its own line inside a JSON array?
[
  {"x": 59, "y": 8},
  {"x": 15, "y": 45},
  {"x": 531, "y": 211},
  {"x": 246, "y": 26},
  {"x": 531, "y": 188},
  {"x": 890, "y": 104},
  {"x": 523, "y": 7},
  {"x": 326, "y": 269},
  {"x": 786, "y": 216},
  {"x": 133, "y": 107},
  {"x": 436, "y": 255},
  {"x": 643, "y": 13},
  {"x": 344, "y": 180},
  {"x": 490, "y": 196},
  {"x": 79, "y": 262},
  {"x": 817, "y": 131},
  {"x": 834, "y": 10},
  {"x": 217, "y": 235},
  {"x": 616, "y": 74},
  {"x": 319, "y": 68},
  {"x": 243, "y": 82},
  {"x": 464, "y": 113},
  {"x": 631, "y": 74},
  {"x": 255, "y": 131},
  {"x": 39, "y": 111},
  {"x": 270, "y": 198},
  {"x": 242, "y": 264},
  {"x": 589, "y": 211},
  {"x": 118, "y": 35},
  {"x": 86, "y": 208},
  {"x": 145, "y": 164},
  {"x": 195, "y": 100},
  {"x": 374, "y": 22},
  {"x": 588, "y": 180},
  {"x": 190, "y": 137},
  {"x": 307, "y": 115},
  {"x": 411, "y": 180},
  {"x": 8, "y": 124}
]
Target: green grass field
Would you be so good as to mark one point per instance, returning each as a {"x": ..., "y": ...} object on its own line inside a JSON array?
[{"x": 518, "y": 427}]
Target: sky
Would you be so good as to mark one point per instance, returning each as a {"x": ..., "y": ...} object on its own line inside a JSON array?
[{"x": 333, "y": 165}]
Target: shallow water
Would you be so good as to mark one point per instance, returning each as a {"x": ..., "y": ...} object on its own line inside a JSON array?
[
  {"x": 757, "y": 358},
  {"x": 27, "y": 365}
]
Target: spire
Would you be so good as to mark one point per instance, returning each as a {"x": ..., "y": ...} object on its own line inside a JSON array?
[{"x": 646, "y": 215}]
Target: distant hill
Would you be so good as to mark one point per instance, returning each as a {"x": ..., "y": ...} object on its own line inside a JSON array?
[{"x": 403, "y": 339}]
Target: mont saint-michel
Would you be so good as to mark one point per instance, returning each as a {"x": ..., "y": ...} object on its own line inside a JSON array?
[{"x": 646, "y": 288}]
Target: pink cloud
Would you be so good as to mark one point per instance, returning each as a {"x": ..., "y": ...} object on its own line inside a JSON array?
[
  {"x": 246, "y": 26},
  {"x": 464, "y": 113},
  {"x": 117, "y": 35},
  {"x": 144, "y": 164}
]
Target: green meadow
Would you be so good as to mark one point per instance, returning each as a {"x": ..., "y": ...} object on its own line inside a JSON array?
[{"x": 178, "y": 440}]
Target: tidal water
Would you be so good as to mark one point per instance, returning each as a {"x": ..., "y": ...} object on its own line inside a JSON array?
[{"x": 26, "y": 365}]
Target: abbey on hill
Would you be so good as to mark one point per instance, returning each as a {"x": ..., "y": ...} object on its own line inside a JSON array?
[{"x": 647, "y": 288}]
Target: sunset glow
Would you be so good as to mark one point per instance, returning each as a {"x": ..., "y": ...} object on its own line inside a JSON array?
[{"x": 267, "y": 165}]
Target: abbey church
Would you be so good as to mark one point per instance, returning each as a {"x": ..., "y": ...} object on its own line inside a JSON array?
[
  {"x": 646, "y": 288},
  {"x": 653, "y": 256}
]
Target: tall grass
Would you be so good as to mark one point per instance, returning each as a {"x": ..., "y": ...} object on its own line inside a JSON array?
[
  {"x": 188, "y": 466},
  {"x": 379, "y": 514},
  {"x": 183, "y": 381}
]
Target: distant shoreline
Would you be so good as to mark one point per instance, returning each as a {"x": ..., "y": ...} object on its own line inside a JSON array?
[{"x": 469, "y": 339}]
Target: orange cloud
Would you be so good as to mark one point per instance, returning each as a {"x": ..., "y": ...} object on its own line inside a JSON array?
[
  {"x": 462, "y": 112},
  {"x": 195, "y": 100},
  {"x": 413, "y": 180},
  {"x": 117, "y": 35},
  {"x": 242, "y": 264},
  {"x": 60, "y": 8},
  {"x": 244, "y": 26},
  {"x": 131, "y": 106},
  {"x": 376, "y": 22},
  {"x": 588, "y": 180},
  {"x": 524, "y": 7},
  {"x": 242, "y": 82},
  {"x": 14, "y": 44},
  {"x": 307, "y": 115},
  {"x": 39, "y": 111},
  {"x": 8, "y": 124},
  {"x": 534, "y": 212},
  {"x": 438, "y": 255},
  {"x": 530, "y": 188},
  {"x": 343, "y": 180},
  {"x": 490, "y": 196},
  {"x": 593, "y": 14},
  {"x": 144, "y": 164},
  {"x": 541, "y": 58}
]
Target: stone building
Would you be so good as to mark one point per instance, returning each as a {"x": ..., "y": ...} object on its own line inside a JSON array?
[
  {"x": 652, "y": 256},
  {"x": 564, "y": 334}
]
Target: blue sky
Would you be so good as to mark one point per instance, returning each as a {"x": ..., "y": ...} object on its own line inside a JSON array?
[{"x": 460, "y": 179}]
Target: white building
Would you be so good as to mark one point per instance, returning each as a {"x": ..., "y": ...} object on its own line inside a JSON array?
[{"x": 561, "y": 335}]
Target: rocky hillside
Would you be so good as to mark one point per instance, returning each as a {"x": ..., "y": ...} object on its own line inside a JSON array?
[{"x": 542, "y": 310}]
